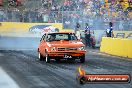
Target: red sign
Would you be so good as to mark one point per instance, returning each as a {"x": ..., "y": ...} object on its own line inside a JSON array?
[{"x": 83, "y": 77}]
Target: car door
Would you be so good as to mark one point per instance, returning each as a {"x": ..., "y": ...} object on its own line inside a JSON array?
[{"x": 42, "y": 43}]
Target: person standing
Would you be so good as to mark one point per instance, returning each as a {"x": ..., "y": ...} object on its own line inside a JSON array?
[
  {"x": 87, "y": 26},
  {"x": 87, "y": 35},
  {"x": 109, "y": 31},
  {"x": 77, "y": 27},
  {"x": 87, "y": 39},
  {"x": 77, "y": 31}
]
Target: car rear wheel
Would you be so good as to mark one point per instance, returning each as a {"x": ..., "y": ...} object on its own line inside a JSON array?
[
  {"x": 41, "y": 57},
  {"x": 47, "y": 58},
  {"x": 82, "y": 59}
]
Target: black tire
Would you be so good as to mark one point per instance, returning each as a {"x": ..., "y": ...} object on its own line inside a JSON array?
[
  {"x": 47, "y": 58},
  {"x": 82, "y": 59},
  {"x": 41, "y": 58}
]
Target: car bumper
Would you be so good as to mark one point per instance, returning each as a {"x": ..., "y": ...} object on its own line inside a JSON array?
[{"x": 61, "y": 54}]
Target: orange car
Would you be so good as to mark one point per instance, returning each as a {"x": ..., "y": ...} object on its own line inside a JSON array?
[{"x": 61, "y": 46}]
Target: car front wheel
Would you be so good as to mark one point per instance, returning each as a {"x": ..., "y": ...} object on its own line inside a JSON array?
[
  {"x": 40, "y": 57},
  {"x": 47, "y": 58}
]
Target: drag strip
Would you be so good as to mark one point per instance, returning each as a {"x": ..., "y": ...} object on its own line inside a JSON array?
[{"x": 28, "y": 72}]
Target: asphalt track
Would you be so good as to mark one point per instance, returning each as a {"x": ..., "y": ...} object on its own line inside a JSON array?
[{"x": 19, "y": 58}]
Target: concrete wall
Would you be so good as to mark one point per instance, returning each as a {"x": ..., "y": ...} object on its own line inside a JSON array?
[
  {"x": 117, "y": 46},
  {"x": 27, "y": 29}
]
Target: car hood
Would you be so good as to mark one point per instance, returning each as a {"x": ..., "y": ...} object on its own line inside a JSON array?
[{"x": 65, "y": 44}]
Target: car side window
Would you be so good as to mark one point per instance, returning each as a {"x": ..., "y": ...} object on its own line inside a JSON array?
[
  {"x": 43, "y": 37},
  {"x": 47, "y": 37}
]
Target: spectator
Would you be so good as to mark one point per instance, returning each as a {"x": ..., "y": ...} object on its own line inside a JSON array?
[
  {"x": 1, "y": 2},
  {"x": 18, "y": 2}
]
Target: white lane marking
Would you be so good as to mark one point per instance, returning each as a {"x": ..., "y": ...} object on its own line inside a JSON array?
[{"x": 6, "y": 81}]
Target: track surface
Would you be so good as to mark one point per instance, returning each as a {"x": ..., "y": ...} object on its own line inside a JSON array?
[
  {"x": 28, "y": 72},
  {"x": 22, "y": 64}
]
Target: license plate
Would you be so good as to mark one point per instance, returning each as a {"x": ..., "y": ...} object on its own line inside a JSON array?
[{"x": 67, "y": 56}]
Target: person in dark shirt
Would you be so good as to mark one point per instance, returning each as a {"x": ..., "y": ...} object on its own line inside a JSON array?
[
  {"x": 109, "y": 31},
  {"x": 87, "y": 35},
  {"x": 87, "y": 38},
  {"x": 77, "y": 27},
  {"x": 87, "y": 26}
]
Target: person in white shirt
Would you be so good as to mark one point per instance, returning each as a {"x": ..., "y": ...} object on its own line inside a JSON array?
[{"x": 77, "y": 31}]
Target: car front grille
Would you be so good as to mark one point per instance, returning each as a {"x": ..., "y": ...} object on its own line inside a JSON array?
[
  {"x": 61, "y": 49},
  {"x": 67, "y": 49}
]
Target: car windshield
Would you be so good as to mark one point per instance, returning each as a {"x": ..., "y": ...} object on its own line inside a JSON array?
[{"x": 61, "y": 36}]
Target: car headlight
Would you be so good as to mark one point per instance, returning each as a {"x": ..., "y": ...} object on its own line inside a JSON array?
[
  {"x": 81, "y": 48},
  {"x": 53, "y": 49}
]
